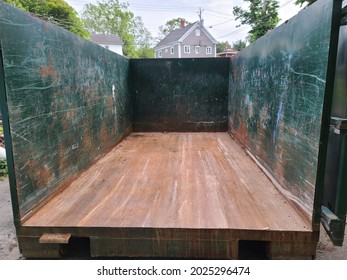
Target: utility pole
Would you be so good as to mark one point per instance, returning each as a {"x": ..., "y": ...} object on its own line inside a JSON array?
[{"x": 201, "y": 21}]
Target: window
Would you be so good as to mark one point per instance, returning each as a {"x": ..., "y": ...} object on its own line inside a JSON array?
[
  {"x": 208, "y": 50},
  {"x": 186, "y": 49},
  {"x": 197, "y": 32},
  {"x": 197, "y": 49},
  {"x": 159, "y": 54},
  {"x": 172, "y": 51}
]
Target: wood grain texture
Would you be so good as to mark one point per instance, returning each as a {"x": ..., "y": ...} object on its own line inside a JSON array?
[{"x": 173, "y": 180}]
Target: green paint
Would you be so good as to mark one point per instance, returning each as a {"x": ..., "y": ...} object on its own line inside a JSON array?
[
  {"x": 68, "y": 103},
  {"x": 279, "y": 85},
  {"x": 180, "y": 94}
]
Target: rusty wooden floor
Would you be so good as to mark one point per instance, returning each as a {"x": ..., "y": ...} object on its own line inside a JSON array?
[{"x": 173, "y": 180}]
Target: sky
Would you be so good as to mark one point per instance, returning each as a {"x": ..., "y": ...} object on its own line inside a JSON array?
[{"x": 217, "y": 14}]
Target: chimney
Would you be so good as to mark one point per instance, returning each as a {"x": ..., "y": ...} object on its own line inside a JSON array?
[{"x": 182, "y": 23}]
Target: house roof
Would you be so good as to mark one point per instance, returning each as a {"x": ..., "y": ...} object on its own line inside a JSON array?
[
  {"x": 179, "y": 34},
  {"x": 106, "y": 39}
]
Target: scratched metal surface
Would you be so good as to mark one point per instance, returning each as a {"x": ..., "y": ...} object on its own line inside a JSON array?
[
  {"x": 276, "y": 99},
  {"x": 180, "y": 94},
  {"x": 68, "y": 102}
]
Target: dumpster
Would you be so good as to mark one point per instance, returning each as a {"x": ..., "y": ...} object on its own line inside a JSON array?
[{"x": 218, "y": 158}]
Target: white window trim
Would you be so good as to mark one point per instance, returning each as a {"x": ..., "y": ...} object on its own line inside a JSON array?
[
  {"x": 197, "y": 49},
  {"x": 160, "y": 54},
  {"x": 184, "y": 48},
  {"x": 172, "y": 50},
  {"x": 197, "y": 32},
  {"x": 208, "y": 50}
]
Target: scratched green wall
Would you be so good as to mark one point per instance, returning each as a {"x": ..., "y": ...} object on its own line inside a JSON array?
[
  {"x": 276, "y": 99},
  {"x": 180, "y": 94},
  {"x": 67, "y": 98}
]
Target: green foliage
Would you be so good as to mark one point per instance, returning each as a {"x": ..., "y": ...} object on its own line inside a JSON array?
[
  {"x": 301, "y": 2},
  {"x": 113, "y": 17},
  {"x": 239, "y": 45},
  {"x": 3, "y": 167},
  {"x": 55, "y": 11},
  {"x": 169, "y": 26},
  {"x": 222, "y": 46},
  {"x": 262, "y": 17},
  {"x": 146, "y": 52}
]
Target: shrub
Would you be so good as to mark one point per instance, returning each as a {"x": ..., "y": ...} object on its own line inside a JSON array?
[{"x": 3, "y": 167}]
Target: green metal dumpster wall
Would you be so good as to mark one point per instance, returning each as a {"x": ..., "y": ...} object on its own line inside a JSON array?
[
  {"x": 280, "y": 85},
  {"x": 180, "y": 94},
  {"x": 66, "y": 100}
]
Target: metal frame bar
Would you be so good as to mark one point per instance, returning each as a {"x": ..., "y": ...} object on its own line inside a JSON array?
[
  {"x": 9, "y": 150},
  {"x": 326, "y": 114}
]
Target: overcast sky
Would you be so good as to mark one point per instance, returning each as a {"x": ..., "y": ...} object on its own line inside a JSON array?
[{"x": 217, "y": 14}]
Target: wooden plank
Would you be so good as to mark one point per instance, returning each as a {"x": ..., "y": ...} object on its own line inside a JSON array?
[
  {"x": 207, "y": 249},
  {"x": 52, "y": 238},
  {"x": 173, "y": 180}
]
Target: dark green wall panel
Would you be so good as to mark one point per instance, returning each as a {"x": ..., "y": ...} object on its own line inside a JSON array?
[
  {"x": 67, "y": 98},
  {"x": 180, "y": 94},
  {"x": 278, "y": 87}
]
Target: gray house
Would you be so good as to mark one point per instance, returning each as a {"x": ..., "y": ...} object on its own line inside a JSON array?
[{"x": 192, "y": 40}]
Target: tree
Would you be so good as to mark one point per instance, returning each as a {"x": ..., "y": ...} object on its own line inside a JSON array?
[
  {"x": 55, "y": 11},
  {"x": 239, "y": 45},
  {"x": 169, "y": 26},
  {"x": 143, "y": 40},
  {"x": 113, "y": 17},
  {"x": 222, "y": 46},
  {"x": 301, "y": 2},
  {"x": 262, "y": 17}
]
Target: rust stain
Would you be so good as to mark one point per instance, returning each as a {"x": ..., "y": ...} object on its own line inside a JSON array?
[
  {"x": 109, "y": 100},
  {"x": 87, "y": 142},
  {"x": 104, "y": 134},
  {"x": 42, "y": 175},
  {"x": 241, "y": 133},
  {"x": 49, "y": 72},
  {"x": 63, "y": 164}
]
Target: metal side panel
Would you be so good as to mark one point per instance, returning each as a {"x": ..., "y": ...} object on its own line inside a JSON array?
[
  {"x": 67, "y": 103},
  {"x": 280, "y": 101}
]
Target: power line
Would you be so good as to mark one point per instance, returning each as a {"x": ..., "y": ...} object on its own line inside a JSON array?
[
  {"x": 234, "y": 32},
  {"x": 214, "y": 25}
]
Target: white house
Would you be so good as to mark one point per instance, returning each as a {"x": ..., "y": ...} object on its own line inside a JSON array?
[{"x": 111, "y": 42}]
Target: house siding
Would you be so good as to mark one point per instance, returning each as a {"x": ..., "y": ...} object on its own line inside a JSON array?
[
  {"x": 113, "y": 48},
  {"x": 202, "y": 41},
  {"x": 166, "y": 52}
]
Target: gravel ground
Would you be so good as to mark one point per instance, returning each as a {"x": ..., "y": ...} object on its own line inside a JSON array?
[{"x": 9, "y": 247}]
